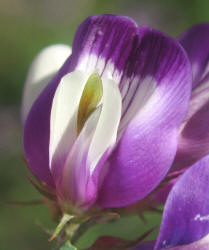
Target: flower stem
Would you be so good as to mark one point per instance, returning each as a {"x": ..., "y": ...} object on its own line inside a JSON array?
[{"x": 66, "y": 218}]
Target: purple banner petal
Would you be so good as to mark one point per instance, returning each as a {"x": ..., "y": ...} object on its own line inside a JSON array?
[
  {"x": 104, "y": 43},
  {"x": 157, "y": 98},
  {"x": 186, "y": 214}
]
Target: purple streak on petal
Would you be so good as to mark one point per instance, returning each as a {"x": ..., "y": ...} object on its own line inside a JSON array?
[
  {"x": 99, "y": 35},
  {"x": 75, "y": 185},
  {"x": 107, "y": 36},
  {"x": 82, "y": 188},
  {"x": 186, "y": 214},
  {"x": 195, "y": 41},
  {"x": 147, "y": 148}
]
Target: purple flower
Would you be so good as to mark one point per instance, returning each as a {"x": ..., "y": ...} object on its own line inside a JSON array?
[
  {"x": 194, "y": 132},
  {"x": 185, "y": 222},
  {"x": 104, "y": 131},
  {"x": 193, "y": 142}
]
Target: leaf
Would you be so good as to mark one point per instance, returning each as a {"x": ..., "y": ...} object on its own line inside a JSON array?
[
  {"x": 68, "y": 246},
  {"x": 129, "y": 228}
]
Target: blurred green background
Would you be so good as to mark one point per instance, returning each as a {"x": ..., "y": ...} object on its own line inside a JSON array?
[{"x": 27, "y": 26}]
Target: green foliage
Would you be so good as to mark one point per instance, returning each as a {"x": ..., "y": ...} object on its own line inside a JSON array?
[
  {"x": 68, "y": 246},
  {"x": 129, "y": 228}
]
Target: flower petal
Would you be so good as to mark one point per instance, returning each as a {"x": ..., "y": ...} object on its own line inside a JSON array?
[
  {"x": 63, "y": 122},
  {"x": 202, "y": 244},
  {"x": 160, "y": 196},
  {"x": 195, "y": 41},
  {"x": 148, "y": 145},
  {"x": 186, "y": 214},
  {"x": 194, "y": 132},
  {"x": 103, "y": 43},
  {"x": 105, "y": 38},
  {"x": 43, "y": 68},
  {"x": 80, "y": 175}
]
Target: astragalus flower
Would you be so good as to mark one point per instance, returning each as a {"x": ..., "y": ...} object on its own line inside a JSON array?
[
  {"x": 104, "y": 130},
  {"x": 193, "y": 141},
  {"x": 185, "y": 222},
  {"x": 194, "y": 132}
]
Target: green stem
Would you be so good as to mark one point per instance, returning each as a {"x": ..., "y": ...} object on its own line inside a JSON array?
[{"x": 66, "y": 218}]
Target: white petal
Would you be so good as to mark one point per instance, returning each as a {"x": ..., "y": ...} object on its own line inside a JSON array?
[
  {"x": 43, "y": 68},
  {"x": 107, "y": 127},
  {"x": 75, "y": 173},
  {"x": 95, "y": 139},
  {"x": 63, "y": 121}
]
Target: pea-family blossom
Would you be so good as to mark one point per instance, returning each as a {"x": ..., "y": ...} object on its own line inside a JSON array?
[
  {"x": 193, "y": 142},
  {"x": 104, "y": 130},
  {"x": 194, "y": 132},
  {"x": 185, "y": 221}
]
